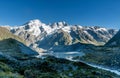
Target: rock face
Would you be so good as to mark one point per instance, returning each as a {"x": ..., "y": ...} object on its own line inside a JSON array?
[
  {"x": 114, "y": 41},
  {"x": 39, "y": 35}
]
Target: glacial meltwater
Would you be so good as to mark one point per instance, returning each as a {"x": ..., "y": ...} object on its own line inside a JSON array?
[{"x": 70, "y": 55}]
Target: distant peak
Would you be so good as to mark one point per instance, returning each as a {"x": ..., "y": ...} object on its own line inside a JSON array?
[
  {"x": 60, "y": 24},
  {"x": 35, "y": 22}
]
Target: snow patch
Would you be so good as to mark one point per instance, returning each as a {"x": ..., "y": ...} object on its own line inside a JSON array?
[
  {"x": 102, "y": 29},
  {"x": 48, "y": 29},
  {"x": 35, "y": 23},
  {"x": 67, "y": 29}
]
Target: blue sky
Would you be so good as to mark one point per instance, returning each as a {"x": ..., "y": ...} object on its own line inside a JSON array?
[{"x": 105, "y": 13}]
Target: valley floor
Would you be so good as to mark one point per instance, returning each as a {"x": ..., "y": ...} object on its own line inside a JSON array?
[{"x": 49, "y": 67}]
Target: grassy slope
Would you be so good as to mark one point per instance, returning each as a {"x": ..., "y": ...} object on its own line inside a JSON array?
[{"x": 5, "y": 34}]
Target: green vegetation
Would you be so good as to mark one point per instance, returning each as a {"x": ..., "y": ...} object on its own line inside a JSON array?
[
  {"x": 14, "y": 64},
  {"x": 106, "y": 56},
  {"x": 51, "y": 67},
  {"x": 6, "y": 72},
  {"x": 10, "y": 46}
]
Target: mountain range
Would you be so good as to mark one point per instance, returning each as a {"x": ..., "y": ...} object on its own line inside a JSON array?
[
  {"x": 21, "y": 48},
  {"x": 42, "y": 37}
]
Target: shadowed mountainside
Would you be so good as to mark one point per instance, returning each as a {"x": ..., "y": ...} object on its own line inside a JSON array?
[{"x": 114, "y": 41}]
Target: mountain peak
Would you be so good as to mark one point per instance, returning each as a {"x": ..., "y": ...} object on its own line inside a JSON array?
[
  {"x": 35, "y": 22},
  {"x": 59, "y": 24}
]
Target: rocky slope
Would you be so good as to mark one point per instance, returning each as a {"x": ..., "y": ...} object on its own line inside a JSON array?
[
  {"x": 40, "y": 35},
  {"x": 13, "y": 45},
  {"x": 5, "y": 34}
]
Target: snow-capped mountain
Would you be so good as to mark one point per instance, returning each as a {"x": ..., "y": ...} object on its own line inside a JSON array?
[
  {"x": 67, "y": 41},
  {"x": 42, "y": 35}
]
